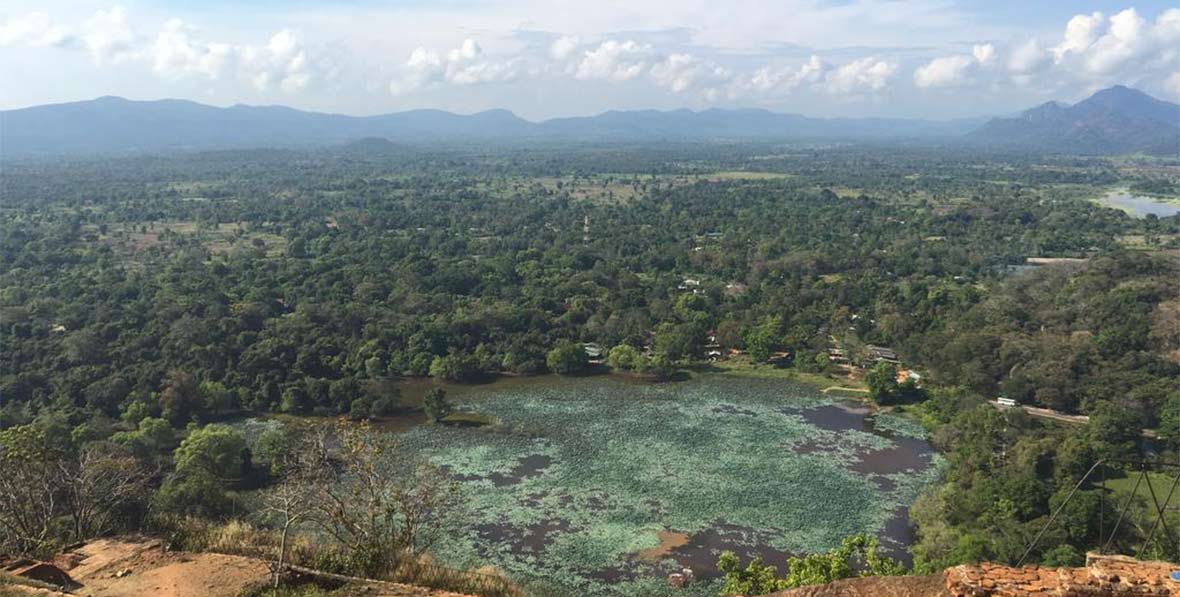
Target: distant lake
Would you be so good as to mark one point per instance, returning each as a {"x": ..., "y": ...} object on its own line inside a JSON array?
[{"x": 1140, "y": 206}]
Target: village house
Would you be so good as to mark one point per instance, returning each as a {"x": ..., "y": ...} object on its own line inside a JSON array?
[
  {"x": 904, "y": 375},
  {"x": 593, "y": 350},
  {"x": 882, "y": 354}
]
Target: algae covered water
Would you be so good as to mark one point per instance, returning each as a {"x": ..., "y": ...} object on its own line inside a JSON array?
[{"x": 602, "y": 486}]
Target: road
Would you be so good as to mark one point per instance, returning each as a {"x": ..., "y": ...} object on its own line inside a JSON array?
[{"x": 1045, "y": 413}]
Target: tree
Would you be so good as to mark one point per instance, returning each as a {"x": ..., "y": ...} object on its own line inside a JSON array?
[
  {"x": 1169, "y": 429},
  {"x": 729, "y": 334},
  {"x": 761, "y": 341},
  {"x": 427, "y": 501},
  {"x": 291, "y": 500},
  {"x": 694, "y": 308},
  {"x": 567, "y": 358},
  {"x": 273, "y": 448},
  {"x": 388, "y": 508},
  {"x": 381, "y": 397},
  {"x": 30, "y": 483},
  {"x": 1114, "y": 430},
  {"x": 100, "y": 485},
  {"x": 180, "y": 400},
  {"x": 883, "y": 386},
  {"x": 295, "y": 401},
  {"x": 679, "y": 341},
  {"x": 625, "y": 357},
  {"x": 1063, "y": 556},
  {"x": 216, "y": 450},
  {"x": 216, "y": 397},
  {"x": 662, "y": 367},
  {"x": 455, "y": 367},
  {"x": 84, "y": 347},
  {"x": 42, "y": 484},
  {"x": 152, "y": 439},
  {"x": 435, "y": 404}
]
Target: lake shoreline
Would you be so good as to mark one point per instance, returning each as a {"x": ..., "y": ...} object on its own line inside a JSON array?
[{"x": 1139, "y": 205}]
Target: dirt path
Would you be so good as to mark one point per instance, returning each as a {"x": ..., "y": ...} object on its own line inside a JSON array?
[
  {"x": 111, "y": 567},
  {"x": 843, "y": 389},
  {"x": 134, "y": 566}
]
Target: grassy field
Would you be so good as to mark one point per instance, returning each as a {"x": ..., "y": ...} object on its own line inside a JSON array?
[
  {"x": 1160, "y": 482},
  {"x": 132, "y": 239},
  {"x": 743, "y": 367}
]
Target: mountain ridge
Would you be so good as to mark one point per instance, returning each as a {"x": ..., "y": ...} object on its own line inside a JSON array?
[
  {"x": 1114, "y": 120},
  {"x": 1117, "y": 119}
]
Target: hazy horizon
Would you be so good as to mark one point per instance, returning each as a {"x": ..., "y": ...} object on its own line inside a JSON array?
[{"x": 931, "y": 59}]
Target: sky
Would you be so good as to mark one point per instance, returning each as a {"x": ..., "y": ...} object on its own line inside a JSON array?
[{"x": 553, "y": 58}]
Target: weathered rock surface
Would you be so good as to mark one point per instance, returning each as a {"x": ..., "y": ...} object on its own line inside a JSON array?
[{"x": 1103, "y": 576}]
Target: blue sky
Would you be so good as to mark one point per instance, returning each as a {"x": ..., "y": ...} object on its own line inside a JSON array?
[{"x": 547, "y": 58}]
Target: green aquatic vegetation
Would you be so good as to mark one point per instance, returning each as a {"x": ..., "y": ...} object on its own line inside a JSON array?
[
  {"x": 900, "y": 425},
  {"x": 584, "y": 474}
]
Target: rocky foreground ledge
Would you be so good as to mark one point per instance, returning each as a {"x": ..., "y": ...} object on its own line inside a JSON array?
[
  {"x": 1103, "y": 576},
  {"x": 138, "y": 566},
  {"x": 119, "y": 567}
]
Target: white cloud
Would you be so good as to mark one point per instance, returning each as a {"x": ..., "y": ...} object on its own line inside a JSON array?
[
  {"x": 948, "y": 71},
  {"x": 1080, "y": 33},
  {"x": 175, "y": 54},
  {"x": 778, "y": 80},
  {"x": 674, "y": 60},
  {"x": 616, "y": 61},
  {"x": 677, "y": 72},
  {"x": 108, "y": 37},
  {"x": 1122, "y": 41},
  {"x": 984, "y": 53},
  {"x": 680, "y": 73},
  {"x": 1172, "y": 84},
  {"x": 865, "y": 74},
  {"x": 563, "y": 47},
  {"x": 1028, "y": 58},
  {"x": 1124, "y": 47},
  {"x": 954, "y": 71},
  {"x": 463, "y": 65},
  {"x": 34, "y": 29},
  {"x": 282, "y": 63}
]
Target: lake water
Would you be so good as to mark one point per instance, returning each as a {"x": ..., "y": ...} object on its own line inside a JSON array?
[
  {"x": 1140, "y": 206},
  {"x": 602, "y": 486}
]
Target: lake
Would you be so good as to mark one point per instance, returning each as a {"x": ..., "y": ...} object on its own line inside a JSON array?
[
  {"x": 1140, "y": 206},
  {"x": 602, "y": 486}
]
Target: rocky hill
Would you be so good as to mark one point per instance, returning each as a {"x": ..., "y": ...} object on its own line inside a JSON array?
[{"x": 1115, "y": 120}]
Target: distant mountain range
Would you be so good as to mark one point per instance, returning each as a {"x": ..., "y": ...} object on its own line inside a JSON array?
[{"x": 1115, "y": 120}]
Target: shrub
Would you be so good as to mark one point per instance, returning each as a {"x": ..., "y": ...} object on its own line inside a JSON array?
[
  {"x": 1063, "y": 555},
  {"x": 567, "y": 358},
  {"x": 858, "y": 552},
  {"x": 435, "y": 404},
  {"x": 455, "y": 367}
]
